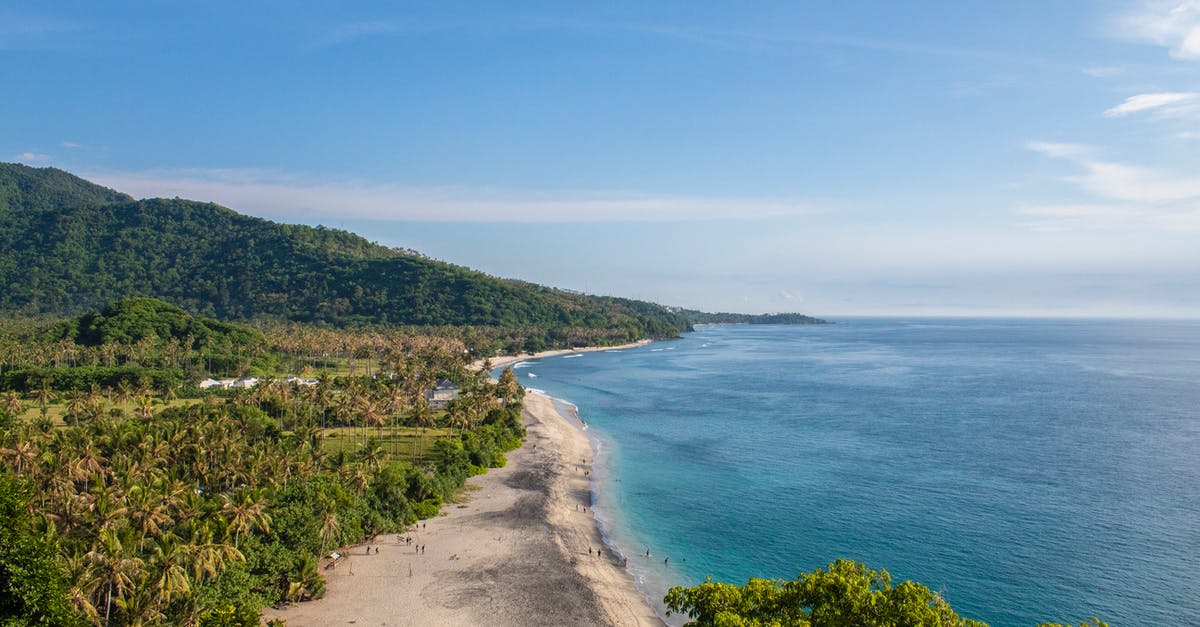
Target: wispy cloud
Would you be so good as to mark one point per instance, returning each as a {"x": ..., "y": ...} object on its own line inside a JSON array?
[
  {"x": 351, "y": 31},
  {"x": 1124, "y": 195},
  {"x": 1060, "y": 149},
  {"x": 1071, "y": 217},
  {"x": 297, "y": 198},
  {"x": 1174, "y": 24},
  {"x": 735, "y": 38},
  {"x": 1103, "y": 71},
  {"x": 1165, "y": 103},
  {"x": 33, "y": 157},
  {"x": 1118, "y": 181},
  {"x": 25, "y": 32},
  {"x": 71, "y": 145}
]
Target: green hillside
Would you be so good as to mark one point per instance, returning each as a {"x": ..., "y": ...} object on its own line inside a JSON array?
[
  {"x": 68, "y": 246},
  {"x": 700, "y": 317}
]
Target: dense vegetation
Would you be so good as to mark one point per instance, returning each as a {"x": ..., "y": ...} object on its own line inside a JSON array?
[
  {"x": 700, "y": 317},
  {"x": 846, "y": 594},
  {"x": 136, "y": 504},
  {"x": 68, "y": 246}
]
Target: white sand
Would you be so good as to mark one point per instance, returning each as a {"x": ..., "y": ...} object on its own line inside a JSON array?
[
  {"x": 519, "y": 551},
  {"x": 499, "y": 362}
]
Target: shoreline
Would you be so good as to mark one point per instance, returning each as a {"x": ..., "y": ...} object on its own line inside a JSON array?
[
  {"x": 508, "y": 360},
  {"x": 518, "y": 549}
]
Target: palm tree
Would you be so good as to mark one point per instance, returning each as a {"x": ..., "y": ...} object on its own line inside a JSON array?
[
  {"x": 124, "y": 393},
  {"x": 12, "y": 404},
  {"x": 44, "y": 397},
  {"x": 145, "y": 409},
  {"x": 171, "y": 558},
  {"x": 422, "y": 417},
  {"x": 310, "y": 585},
  {"x": 331, "y": 528},
  {"x": 147, "y": 512},
  {"x": 246, "y": 511},
  {"x": 115, "y": 569},
  {"x": 84, "y": 583}
]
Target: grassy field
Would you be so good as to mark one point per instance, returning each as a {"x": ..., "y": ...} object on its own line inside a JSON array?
[
  {"x": 406, "y": 444},
  {"x": 56, "y": 410}
]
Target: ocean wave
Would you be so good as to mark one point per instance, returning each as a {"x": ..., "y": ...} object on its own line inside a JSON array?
[
  {"x": 571, "y": 356},
  {"x": 532, "y": 376},
  {"x": 521, "y": 364}
]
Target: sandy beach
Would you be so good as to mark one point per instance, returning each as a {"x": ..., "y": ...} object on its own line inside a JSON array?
[
  {"x": 518, "y": 550},
  {"x": 500, "y": 362}
]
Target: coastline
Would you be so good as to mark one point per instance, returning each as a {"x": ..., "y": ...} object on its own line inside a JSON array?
[
  {"x": 519, "y": 550},
  {"x": 508, "y": 360}
]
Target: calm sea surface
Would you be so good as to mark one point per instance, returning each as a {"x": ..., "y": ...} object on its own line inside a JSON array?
[{"x": 1028, "y": 470}]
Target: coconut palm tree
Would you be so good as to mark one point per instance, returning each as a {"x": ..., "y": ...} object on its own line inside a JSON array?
[
  {"x": 12, "y": 403},
  {"x": 115, "y": 569},
  {"x": 245, "y": 511}
]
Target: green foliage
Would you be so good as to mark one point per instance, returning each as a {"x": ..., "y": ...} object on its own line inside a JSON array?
[
  {"x": 33, "y": 587},
  {"x": 700, "y": 317},
  {"x": 132, "y": 320},
  {"x": 29, "y": 379},
  {"x": 73, "y": 246},
  {"x": 847, "y": 594},
  {"x": 1095, "y": 622}
]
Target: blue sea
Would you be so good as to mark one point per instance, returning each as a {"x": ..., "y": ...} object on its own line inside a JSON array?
[{"x": 1029, "y": 470}]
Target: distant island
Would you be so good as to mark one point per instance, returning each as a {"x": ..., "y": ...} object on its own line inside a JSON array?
[{"x": 700, "y": 317}]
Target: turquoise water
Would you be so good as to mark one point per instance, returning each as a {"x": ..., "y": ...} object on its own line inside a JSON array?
[{"x": 1028, "y": 470}]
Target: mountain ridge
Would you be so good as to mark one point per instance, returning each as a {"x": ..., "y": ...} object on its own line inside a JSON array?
[{"x": 68, "y": 246}]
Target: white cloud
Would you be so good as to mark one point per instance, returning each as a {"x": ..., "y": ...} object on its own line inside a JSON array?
[
  {"x": 1118, "y": 181},
  {"x": 71, "y": 145},
  {"x": 1059, "y": 149},
  {"x": 291, "y": 197},
  {"x": 33, "y": 157},
  {"x": 1109, "y": 217},
  {"x": 1167, "y": 103},
  {"x": 1174, "y": 24},
  {"x": 1124, "y": 196},
  {"x": 1188, "y": 135},
  {"x": 1103, "y": 71},
  {"x": 356, "y": 30}
]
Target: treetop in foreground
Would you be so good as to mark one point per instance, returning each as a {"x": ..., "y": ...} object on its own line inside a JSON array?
[{"x": 846, "y": 594}]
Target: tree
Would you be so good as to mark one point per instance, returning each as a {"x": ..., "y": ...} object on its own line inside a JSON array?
[
  {"x": 509, "y": 390},
  {"x": 33, "y": 587},
  {"x": 244, "y": 512},
  {"x": 848, "y": 594}
]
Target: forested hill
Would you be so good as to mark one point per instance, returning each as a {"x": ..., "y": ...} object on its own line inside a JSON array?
[
  {"x": 68, "y": 246},
  {"x": 700, "y": 317}
]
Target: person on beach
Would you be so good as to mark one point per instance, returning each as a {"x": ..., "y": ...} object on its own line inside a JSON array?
[{"x": 666, "y": 560}]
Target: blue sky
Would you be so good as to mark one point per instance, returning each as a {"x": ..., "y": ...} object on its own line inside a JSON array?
[{"x": 960, "y": 158}]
